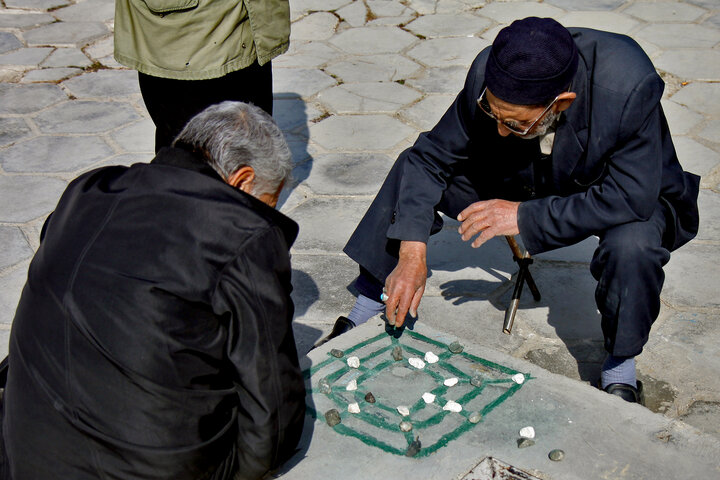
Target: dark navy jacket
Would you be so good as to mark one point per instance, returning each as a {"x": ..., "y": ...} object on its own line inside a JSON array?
[
  {"x": 153, "y": 338},
  {"x": 612, "y": 161}
]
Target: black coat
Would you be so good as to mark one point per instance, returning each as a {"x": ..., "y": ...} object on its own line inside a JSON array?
[
  {"x": 612, "y": 161},
  {"x": 153, "y": 339}
]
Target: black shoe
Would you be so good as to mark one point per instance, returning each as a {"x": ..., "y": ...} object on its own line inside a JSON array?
[
  {"x": 341, "y": 326},
  {"x": 627, "y": 392}
]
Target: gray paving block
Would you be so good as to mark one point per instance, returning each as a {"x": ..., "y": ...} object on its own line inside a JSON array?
[
  {"x": 50, "y": 75},
  {"x": 36, "y": 4},
  {"x": 87, "y": 11},
  {"x": 75, "y": 34},
  {"x": 13, "y": 129},
  {"x": 104, "y": 84},
  {"x": 665, "y": 11},
  {"x": 433, "y": 26},
  {"x": 692, "y": 64},
  {"x": 713, "y": 20},
  {"x": 24, "y": 198},
  {"x": 4, "y": 341},
  {"x": 709, "y": 4},
  {"x": 382, "y": 97},
  {"x": 318, "y": 5},
  {"x": 679, "y": 35},
  {"x": 386, "y": 8},
  {"x": 440, "y": 80},
  {"x": 695, "y": 157},
  {"x": 608, "y": 21},
  {"x": 29, "y": 57},
  {"x": 423, "y": 7},
  {"x": 593, "y": 5},
  {"x": 101, "y": 49},
  {"x": 373, "y": 68},
  {"x": 54, "y": 154},
  {"x": 458, "y": 6},
  {"x": 85, "y": 117},
  {"x": 354, "y": 14},
  {"x": 507, "y": 12},
  {"x": 127, "y": 159},
  {"x": 348, "y": 173},
  {"x": 11, "y": 285},
  {"x": 691, "y": 277},
  {"x": 327, "y": 223},
  {"x": 709, "y": 207},
  {"x": 360, "y": 41},
  {"x": 66, "y": 57},
  {"x": 9, "y": 42},
  {"x": 359, "y": 132},
  {"x": 711, "y": 132},
  {"x": 317, "y": 26},
  {"x": 445, "y": 52},
  {"x": 426, "y": 113},
  {"x": 307, "y": 55},
  {"x": 24, "y": 20},
  {"x": 15, "y": 247},
  {"x": 682, "y": 120},
  {"x": 28, "y": 98},
  {"x": 299, "y": 82},
  {"x": 138, "y": 137},
  {"x": 393, "y": 21},
  {"x": 696, "y": 95}
]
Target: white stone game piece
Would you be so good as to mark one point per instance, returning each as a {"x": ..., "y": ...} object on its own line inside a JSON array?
[
  {"x": 403, "y": 410},
  {"x": 416, "y": 362},
  {"x": 527, "y": 432},
  {"x": 354, "y": 408},
  {"x": 353, "y": 362},
  {"x": 450, "y": 382},
  {"x": 452, "y": 406},
  {"x": 428, "y": 397},
  {"x": 352, "y": 385},
  {"x": 518, "y": 378},
  {"x": 430, "y": 357}
]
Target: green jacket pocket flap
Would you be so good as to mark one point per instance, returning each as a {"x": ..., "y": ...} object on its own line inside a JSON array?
[{"x": 167, "y": 6}]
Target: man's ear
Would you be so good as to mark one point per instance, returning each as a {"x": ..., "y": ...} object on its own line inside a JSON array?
[
  {"x": 564, "y": 101},
  {"x": 243, "y": 178}
]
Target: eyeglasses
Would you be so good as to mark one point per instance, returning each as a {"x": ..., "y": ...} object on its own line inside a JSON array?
[{"x": 512, "y": 126}]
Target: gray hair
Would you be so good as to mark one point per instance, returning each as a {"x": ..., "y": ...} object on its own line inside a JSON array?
[{"x": 231, "y": 135}]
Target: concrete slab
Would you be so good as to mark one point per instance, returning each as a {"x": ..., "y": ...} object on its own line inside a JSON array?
[
  {"x": 138, "y": 137},
  {"x": 29, "y": 57},
  {"x": 368, "y": 97},
  {"x": 36, "y": 4},
  {"x": 506, "y": 12},
  {"x": 291, "y": 113},
  {"x": 711, "y": 133},
  {"x": 12, "y": 130},
  {"x": 374, "y": 40},
  {"x": 440, "y": 80},
  {"x": 75, "y": 34},
  {"x": 351, "y": 132},
  {"x": 24, "y": 20},
  {"x": 307, "y": 55},
  {"x": 678, "y": 35},
  {"x": 423, "y": 7},
  {"x": 9, "y": 42},
  {"x": 85, "y": 117},
  {"x": 317, "y": 26},
  {"x": 299, "y": 82},
  {"x": 434, "y": 26},
  {"x": 698, "y": 282},
  {"x": 11, "y": 285},
  {"x": 101, "y": 49},
  {"x": 426, "y": 113},
  {"x": 353, "y": 14},
  {"x": 665, "y": 11},
  {"x": 695, "y": 64},
  {"x": 318, "y": 5},
  {"x": 681, "y": 119},
  {"x": 348, "y": 173},
  {"x": 595, "y": 5},
  {"x": 26, "y": 197},
  {"x": 695, "y": 96},
  {"x": 15, "y": 247},
  {"x": 104, "y": 83},
  {"x": 24, "y": 99},
  {"x": 609, "y": 21},
  {"x": 386, "y": 8},
  {"x": 88, "y": 11},
  {"x": 393, "y": 21},
  {"x": 374, "y": 68},
  {"x": 600, "y": 434},
  {"x": 325, "y": 231},
  {"x": 54, "y": 154},
  {"x": 66, "y": 57},
  {"x": 50, "y": 75},
  {"x": 695, "y": 157},
  {"x": 445, "y": 52}
]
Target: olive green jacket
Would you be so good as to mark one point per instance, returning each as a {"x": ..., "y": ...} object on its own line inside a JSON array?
[{"x": 199, "y": 39}]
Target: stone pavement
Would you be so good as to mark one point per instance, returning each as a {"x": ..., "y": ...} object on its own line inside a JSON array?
[{"x": 361, "y": 79}]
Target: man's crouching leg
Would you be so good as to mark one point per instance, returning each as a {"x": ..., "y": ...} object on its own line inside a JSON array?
[{"x": 628, "y": 265}]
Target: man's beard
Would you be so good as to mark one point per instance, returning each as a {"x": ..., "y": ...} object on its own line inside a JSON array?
[{"x": 542, "y": 126}]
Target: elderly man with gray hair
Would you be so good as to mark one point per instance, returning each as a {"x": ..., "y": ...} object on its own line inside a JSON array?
[{"x": 153, "y": 339}]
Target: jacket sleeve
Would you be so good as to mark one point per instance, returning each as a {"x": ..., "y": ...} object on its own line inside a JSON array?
[
  {"x": 628, "y": 192},
  {"x": 429, "y": 162},
  {"x": 254, "y": 295}
]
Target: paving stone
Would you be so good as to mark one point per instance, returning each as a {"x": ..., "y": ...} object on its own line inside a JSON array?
[
  {"x": 423, "y": 7},
  {"x": 709, "y": 4},
  {"x": 507, "y": 12},
  {"x": 445, "y": 52},
  {"x": 28, "y": 98},
  {"x": 15, "y": 247},
  {"x": 307, "y": 55},
  {"x": 54, "y": 154},
  {"x": 104, "y": 84},
  {"x": 11, "y": 285},
  {"x": 374, "y": 68},
  {"x": 691, "y": 277},
  {"x": 695, "y": 64},
  {"x": 609, "y": 21},
  {"x": 681, "y": 119},
  {"x": 101, "y": 49},
  {"x": 299, "y": 82},
  {"x": 29, "y": 57},
  {"x": 695, "y": 157},
  {"x": 138, "y": 137},
  {"x": 87, "y": 11},
  {"x": 432, "y": 26},
  {"x": 457, "y": 6},
  {"x": 318, "y": 5},
  {"x": 85, "y": 117},
  {"x": 383, "y": 97},
  {"x": 376, "y": 40},
  {"x": 348, "y": 173},
  {"x": 678, "y": 35},
  {"x": 711, "y": 132},
  {"x": 713, "y": 20},
  {"x": 359, "y": 132},
  {"x": 386, "y": 8},
  {"x": 24, "y": 20},
  {"x": 9, "y": 42},
  {"x": 75, "y": 34},
  {"x": 709, "y": 207},
  {"x": 36, "y": 4},
  {"x": 317, "y": 26},
  {"x": 354, "y": 14},
  {"x": 13, "y": 129},
  {"x": 426, "y": 113},
  {"x": 393, "y": 21},
  {"x": 293, "y": 112},
  {"x": 327, "y": 223},
  {"x": 66, "y": 57},
  {"x": 110, "y": 62},
  {"x": 665, "y": 11},
  {"x": 50, "y": 75},
  {"x": 440, "y": 80},
  {"x": 127, "y": 159},
  {"x": 696, "y": 95},
  {"x": 586, "y": 4},
  {"x": 25, "y": 198}
]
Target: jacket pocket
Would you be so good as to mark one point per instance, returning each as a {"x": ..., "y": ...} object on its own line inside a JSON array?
[{"x": 167, "y": 6}]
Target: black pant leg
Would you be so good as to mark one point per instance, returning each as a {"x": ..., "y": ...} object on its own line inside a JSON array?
[
  {"x": 171, "y": 103},
  {"x": 628, "y": 265}
]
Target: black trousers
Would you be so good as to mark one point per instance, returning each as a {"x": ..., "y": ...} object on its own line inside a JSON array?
[
  {"x": 171, "y": 103},
  {"x": 628, "y": 263}
]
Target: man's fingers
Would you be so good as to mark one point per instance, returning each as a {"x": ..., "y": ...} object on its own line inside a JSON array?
[
  {"x": 472, "y": 208},
  {"x": 416, "y": 301}
]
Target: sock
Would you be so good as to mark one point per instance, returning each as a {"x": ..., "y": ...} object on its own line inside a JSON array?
[
  {"x": 618, "y": 370},
  {"x": 364, "y": 309}
]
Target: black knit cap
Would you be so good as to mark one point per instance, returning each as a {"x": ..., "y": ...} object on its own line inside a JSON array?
[{"x": 531, "y": 61}]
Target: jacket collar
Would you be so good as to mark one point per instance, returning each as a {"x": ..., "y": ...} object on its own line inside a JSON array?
[{"x": 182, "y": 158}]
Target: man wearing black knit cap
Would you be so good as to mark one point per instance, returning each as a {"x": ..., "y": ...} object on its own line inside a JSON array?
[{"x": 557, "y": 135}]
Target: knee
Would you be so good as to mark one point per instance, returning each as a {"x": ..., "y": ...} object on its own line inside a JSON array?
[{"x": 632, "y": 250}]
